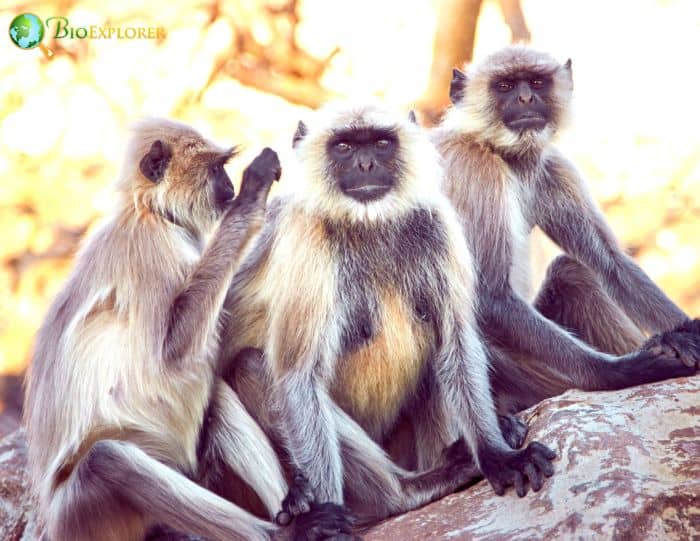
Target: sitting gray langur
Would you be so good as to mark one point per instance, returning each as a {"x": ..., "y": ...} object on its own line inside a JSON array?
[
  {"x": 504, "y": 176},
  {"x": 360, "y": 291},
  {"x": 123, "y": 371}
]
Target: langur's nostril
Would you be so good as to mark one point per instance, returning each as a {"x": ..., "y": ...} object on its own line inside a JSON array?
[
  {"x": 526, "y": 97},
  {"x": 365, "y": 165}
]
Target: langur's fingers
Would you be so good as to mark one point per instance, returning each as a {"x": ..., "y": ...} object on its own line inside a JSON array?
[
  {"x": 534, "y": 477},
  {"x": 283, "y": 518},
  {"x": 519, "y": 484},
  {"x": 543, "y": 464},
  {"x": 498, "y": 487},
  {"x": 688, "y": 359},
  {"x": 669, "y": 351},
  {"x": 297, "y": 506},
  {"x": 656, "y": 349},
  {"x": 537, "y": 447},
  {"x": 686, "y": 348}
]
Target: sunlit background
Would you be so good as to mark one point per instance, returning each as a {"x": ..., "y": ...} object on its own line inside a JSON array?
[{"x": 245, "y": 71}]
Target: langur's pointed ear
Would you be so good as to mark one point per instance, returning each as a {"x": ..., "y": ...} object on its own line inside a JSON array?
[
  {"x": 568, "y": 69},
  {"x": 458, "y": 86},
  {"x": 412, "y": 117},
  {"x": 301, "y": 132},
  {"x": 155, "y": 162}
]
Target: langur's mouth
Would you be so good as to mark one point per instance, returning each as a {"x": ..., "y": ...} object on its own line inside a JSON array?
[
  {"x": 528, "y": 121},
  {"x": 368, "y": 192}
]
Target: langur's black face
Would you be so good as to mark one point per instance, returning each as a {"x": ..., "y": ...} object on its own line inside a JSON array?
[
  {"x": 156, "y": 162},
  {"x": 222, "y": 185},
  {"x": 523, "y": 100},
  {"x": 364, "y": 162}
]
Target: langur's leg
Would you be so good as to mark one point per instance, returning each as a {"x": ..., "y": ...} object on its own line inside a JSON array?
[
  {"x": 424, "y": 432},
  {"x": 233, "y": 442},
  {"x": 251, "y": 382},
  {"x": 117, "y": 491},
  {"x": 573, "y": 297},
  {"x": 432, "y": 429},
  {"x": 164, "y": 533},
  {"x": 375, "y": 487}
]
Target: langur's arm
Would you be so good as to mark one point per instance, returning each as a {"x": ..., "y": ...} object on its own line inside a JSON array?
[
  {"x": 234, "y": 438},
  {"x": 300, "y": 353},
  {"x": 572, "y": 220},
  {"x": 509, "y": 321},
  {"x": 194, "y": 314},
  {"x": 311, "y": 437},
  {"x": 462, "y": 370}
]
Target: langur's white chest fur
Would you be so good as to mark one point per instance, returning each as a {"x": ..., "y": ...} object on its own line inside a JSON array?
[{"x": 519, "y": 226}]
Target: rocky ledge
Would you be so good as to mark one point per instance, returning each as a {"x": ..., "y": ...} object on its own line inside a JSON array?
[{"x": 628, "y": 469}]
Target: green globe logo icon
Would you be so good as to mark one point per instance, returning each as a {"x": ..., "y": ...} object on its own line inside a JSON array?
[{"x": 26, "y": 31}]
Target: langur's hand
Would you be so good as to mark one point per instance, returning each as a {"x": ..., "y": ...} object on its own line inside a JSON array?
[
  {"x": 258, "y": 177},
  {"x": 513, "y": 429},
  {"x": 459, "y": 463},
  {"x": 297, "y": 502},
  {"x": 683, "y": 343},
  {"x": 324, "y": 522},
  {"x": 515, "y": 468}
]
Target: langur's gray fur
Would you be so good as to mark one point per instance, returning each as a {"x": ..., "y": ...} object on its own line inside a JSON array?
[
  {"x": 360, "y": 307},
  {"x": 123, "y": 368},
  {"x": 597, "y": 303}
]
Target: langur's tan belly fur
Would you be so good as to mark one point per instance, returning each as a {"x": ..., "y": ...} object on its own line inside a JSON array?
[{"x": 373, "y": 383}]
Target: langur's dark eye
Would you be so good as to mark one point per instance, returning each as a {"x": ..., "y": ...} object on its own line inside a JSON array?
[
  {"x": 343, "y": 147},
  {"x": 537, "y": 82},
  {"x": 504, "y": 86},
  {"x": 382, "y": 143}
]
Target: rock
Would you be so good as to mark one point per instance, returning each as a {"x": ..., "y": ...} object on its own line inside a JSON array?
[
  {"x": 628, "y": 469},
  {"x": 12, "y": 394},
  {"x": 16, "y": 504}
]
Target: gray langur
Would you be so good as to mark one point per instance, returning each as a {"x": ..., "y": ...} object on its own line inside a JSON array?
[
  {"x": 123, "y": 371},
  {"x": 360, "y": 292},
  {"x": 504, "y": 176}
]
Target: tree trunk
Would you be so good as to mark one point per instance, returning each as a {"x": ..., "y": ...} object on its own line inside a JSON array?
[
  {"x": 513, "y": 15},
  {"x": 454, "y": 46}
]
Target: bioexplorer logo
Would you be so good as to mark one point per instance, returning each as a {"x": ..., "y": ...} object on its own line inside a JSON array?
[{"x": 27, "y": 30}]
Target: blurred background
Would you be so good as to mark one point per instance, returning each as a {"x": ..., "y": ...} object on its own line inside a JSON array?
[{"x": 244, "y": 72}]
